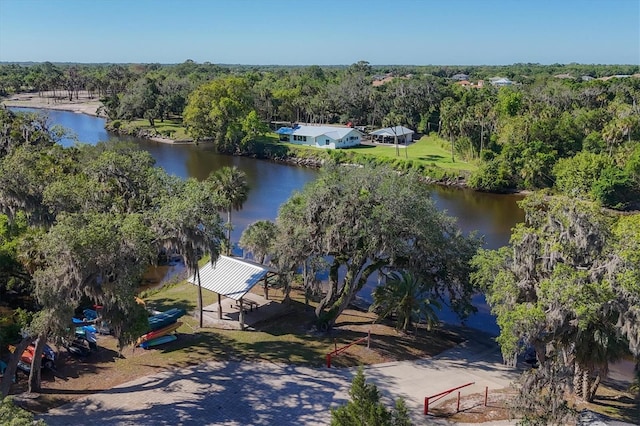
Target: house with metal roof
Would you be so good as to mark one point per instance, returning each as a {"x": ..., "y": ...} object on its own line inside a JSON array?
[
  {"x": 389, "y": 135},
  {"x": 330, "y": 137}
]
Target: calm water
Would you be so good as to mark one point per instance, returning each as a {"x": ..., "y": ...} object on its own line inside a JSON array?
[{"x": 272, "y": 184}]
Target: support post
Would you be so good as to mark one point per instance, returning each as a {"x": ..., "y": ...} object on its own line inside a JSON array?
[
  {"x": 458, "y": 405},
  {"x": 266, "y": 288},
  {"x": 426, "y": 405},
  {"x": 486, "y": 395},
  {"x": 328, "y": 360},
  {"x": 219, "y": 306},
  {"x": 369, "y": 339},
  {"x": 241, "y": 315}
]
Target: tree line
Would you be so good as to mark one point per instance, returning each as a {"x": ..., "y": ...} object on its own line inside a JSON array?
[{"x": 556, "y": 126}]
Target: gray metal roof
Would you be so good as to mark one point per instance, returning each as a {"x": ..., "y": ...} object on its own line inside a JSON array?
[
  {"x": 230, "y": 276},
  {"x": 334, "y": 132},
  {"x": 392, "y": 131}
]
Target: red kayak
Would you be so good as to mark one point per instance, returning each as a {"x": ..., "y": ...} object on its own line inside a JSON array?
[{"x": 158, "y": 333}]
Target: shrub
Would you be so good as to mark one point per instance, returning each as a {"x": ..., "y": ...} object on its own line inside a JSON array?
[
  {"x": 576, "y": 176},
  {"x": 365, "y": 408},
  {"x": 613, "y": 188},
  {"x": 12, "y": 415}
]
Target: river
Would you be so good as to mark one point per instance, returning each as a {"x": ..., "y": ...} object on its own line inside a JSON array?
[{"x": 271, "y": 184}]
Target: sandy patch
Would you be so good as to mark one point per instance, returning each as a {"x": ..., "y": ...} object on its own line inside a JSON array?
[{"x": 84, "y": 104}]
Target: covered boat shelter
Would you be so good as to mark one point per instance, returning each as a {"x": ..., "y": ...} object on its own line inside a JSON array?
[
  {"x": 234, "y": 278},
  {"x": 389, "y": 135}
]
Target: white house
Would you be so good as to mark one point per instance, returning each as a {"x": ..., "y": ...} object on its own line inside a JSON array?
[
  {"x": 321, "y": 136},
  {"x": 389, "y": 134},
  {"x": 501, "y": 81}
]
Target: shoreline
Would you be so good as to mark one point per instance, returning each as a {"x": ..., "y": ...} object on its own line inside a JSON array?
[
  {"x": 84, "y": 104},
  {"x": 88, "y": 105}
]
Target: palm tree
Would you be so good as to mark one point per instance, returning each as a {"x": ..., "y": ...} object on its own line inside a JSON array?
[
  {"x": 230, "y": 184},
  {"x": 258, "y": 238},
  {"x": 408, "y": 297},
  {"x": 594, "y": 348}
]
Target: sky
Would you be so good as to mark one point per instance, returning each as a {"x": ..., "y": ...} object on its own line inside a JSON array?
[{"x": 321, "y": 32}]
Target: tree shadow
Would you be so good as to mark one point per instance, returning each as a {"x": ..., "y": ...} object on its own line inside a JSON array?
[
  {"x": 219, "y": 392},
  {"x": 625, "y": 406},
  {"x": 431, "y": 157},
  {"x": 163, "y": 304},
  {"x": 361, "y": 147}
]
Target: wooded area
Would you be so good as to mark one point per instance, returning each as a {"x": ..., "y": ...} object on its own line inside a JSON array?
[
  {"x": 574, "y": 128},
  {"x": 83, "y": 222}
]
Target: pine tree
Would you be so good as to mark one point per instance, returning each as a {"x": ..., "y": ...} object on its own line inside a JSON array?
[{"x": 365, "y": 408}]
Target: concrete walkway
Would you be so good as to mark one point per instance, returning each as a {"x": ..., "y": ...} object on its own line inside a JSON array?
[{"x": 250, "y": 393}]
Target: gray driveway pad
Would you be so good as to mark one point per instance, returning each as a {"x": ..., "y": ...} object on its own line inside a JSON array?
[{"x": 262, "y": 393}]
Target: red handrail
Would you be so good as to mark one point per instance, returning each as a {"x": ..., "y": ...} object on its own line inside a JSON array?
[
  {"x": 338, "y": 350},
  {"x": 441, "y": 395}
]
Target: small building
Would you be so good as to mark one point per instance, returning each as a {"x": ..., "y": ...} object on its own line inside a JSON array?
[
  {"x": 460, "y": 77},
  {"x": 330, "y": 137},
  {"x": 379, "y": 80},
  {"x": 389, "y": 134},
  {"x": 501, "y": 81}
]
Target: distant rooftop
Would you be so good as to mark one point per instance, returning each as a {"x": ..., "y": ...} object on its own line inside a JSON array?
[
  {"x": 392, "y": 131},
  {"x": 333, "y": 132}
]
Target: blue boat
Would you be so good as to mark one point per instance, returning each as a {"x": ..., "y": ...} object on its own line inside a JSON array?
[
  {"x": 159, "y": 341},
  {"x": 164, "y": 319}
]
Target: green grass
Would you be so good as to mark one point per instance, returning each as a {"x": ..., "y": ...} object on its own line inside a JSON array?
[
  {"x": 170, "y": 128},
  {"x": 288, "y": 338},
  {"x": 429, "y": 150},
  {"x": 276, "y": 341},
  {"x": 430, "y": 156}
]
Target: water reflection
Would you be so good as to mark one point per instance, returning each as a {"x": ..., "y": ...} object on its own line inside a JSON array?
[
  {"x": 493, "y": 215},
  {"x": 272, "y": 184}
]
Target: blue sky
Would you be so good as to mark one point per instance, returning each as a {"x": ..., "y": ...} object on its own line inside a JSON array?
[{"x": 322, "y": 32}]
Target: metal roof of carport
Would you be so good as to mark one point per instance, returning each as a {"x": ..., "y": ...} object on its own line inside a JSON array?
[
  {"x": 392, "y": 131},
  {"x": 230, "y": 276}
]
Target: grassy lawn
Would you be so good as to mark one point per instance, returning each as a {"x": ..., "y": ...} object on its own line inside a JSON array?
[
  {"x": 170, "y": 128},
  {"x": 431, "y": 150},
  {"x": 291, "y": 338}
]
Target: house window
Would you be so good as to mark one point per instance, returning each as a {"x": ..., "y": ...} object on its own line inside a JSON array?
[{"x": 326, "y": 142}]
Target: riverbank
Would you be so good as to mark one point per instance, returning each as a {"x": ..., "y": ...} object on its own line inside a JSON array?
[
  {"x": 171, "y": 132},
  {"x": 84, "y": 103}
]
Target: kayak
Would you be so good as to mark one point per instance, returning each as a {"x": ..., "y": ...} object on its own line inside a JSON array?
[
  {"x": 164, "y": 319},
  {"x": 159, "y": 341},
  {"x": 48, "y": 356},
  {"x": 158, "y": 333}
]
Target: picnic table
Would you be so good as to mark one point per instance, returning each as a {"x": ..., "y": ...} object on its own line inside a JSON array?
[{"x": 247, "y": 302}]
